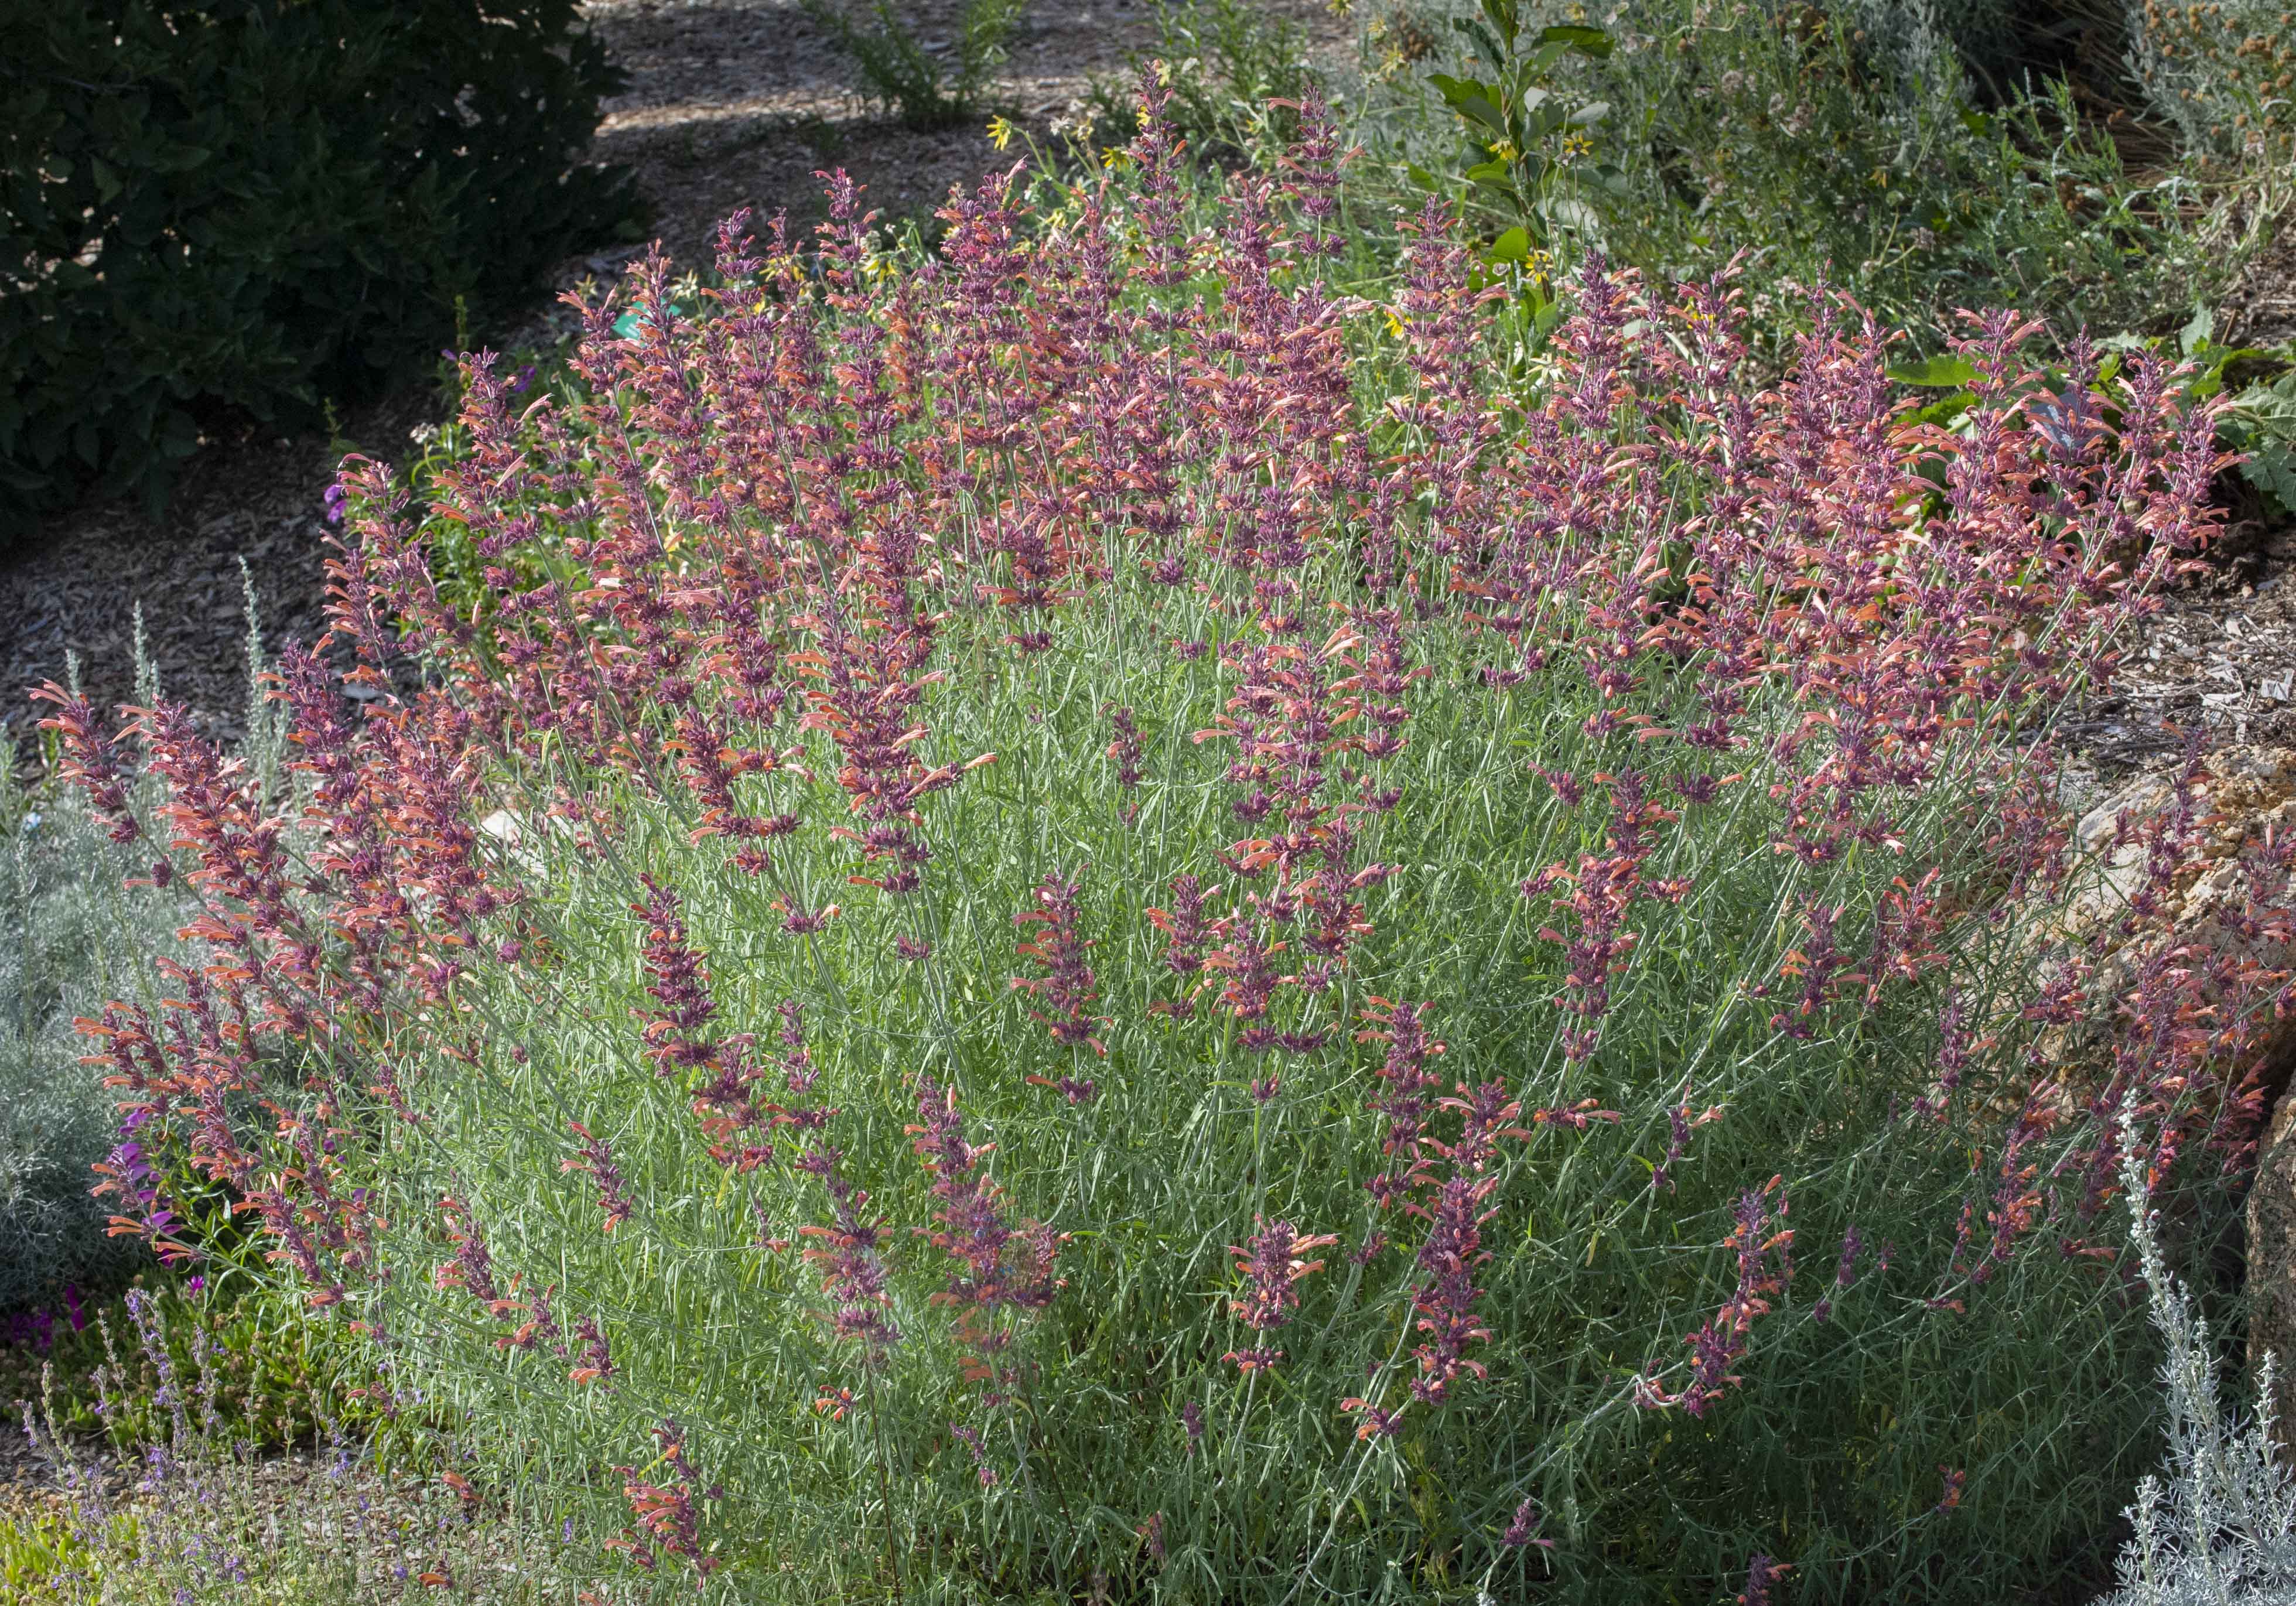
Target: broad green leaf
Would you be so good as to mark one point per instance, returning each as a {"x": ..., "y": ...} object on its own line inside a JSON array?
[
  {"x": 1513, "y": 246},
  {"x": 1578, "y": 37},
  {"x": 2196, "y": 334},
  {"x": 1470, "y": 98},
  {"x": 1457, "y": 92},
  {"x": 2214, "y": 361},
  {"x": 1943, "y": 371},
  {"x": 1486, "y": 46},
  {"x": 1947, "y": 410},
  {"x": 183, "y": 159},
  {"x": 1541, "y": 61},
  {"x": 1485, "y": 112}
]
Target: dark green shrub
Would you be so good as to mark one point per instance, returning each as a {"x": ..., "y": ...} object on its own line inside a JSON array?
[{"x": 217, "y": 211}]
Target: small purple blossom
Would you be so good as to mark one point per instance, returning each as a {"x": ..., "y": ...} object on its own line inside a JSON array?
[
  {"x": 1845, "y": 1273},
  {"x": 1520, "y": 1531},
  {"x": 1272, "y": 1262}
]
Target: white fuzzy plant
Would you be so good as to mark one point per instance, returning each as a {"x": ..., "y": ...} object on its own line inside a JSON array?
[
  {"x": 2220, "y": 1529},
  {"x": 2186, "y": 68}
]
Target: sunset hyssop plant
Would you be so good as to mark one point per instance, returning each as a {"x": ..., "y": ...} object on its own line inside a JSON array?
[{"x": 1107, "y": 917}]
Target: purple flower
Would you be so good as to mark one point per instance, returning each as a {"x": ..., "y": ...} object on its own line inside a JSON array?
[
  {"x": 1845, "y": 1273},
  {"x": 1271, "y": 1263},
  {"x": 1001, "y": 1266},
  {"x": 1721, "y": 1341},
  {"x": 1124, "y": 751},
  {"x": 971, "y": 1441},
  {"x": 333, "y": 501},
  {"x": 597, "y": 1160},
  {"x": 1527, "y": 1519},
  {"x": 1057, "y": 947}
]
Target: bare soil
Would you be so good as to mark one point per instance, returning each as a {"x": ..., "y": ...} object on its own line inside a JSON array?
[{"x": 2219, "y": 659}]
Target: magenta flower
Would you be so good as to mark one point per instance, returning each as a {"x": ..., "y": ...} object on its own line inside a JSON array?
[
  {"x": 597, "y": 1162},
  {"x": 1057, "y": 947},
  {"x": 1272, "y": 1264},
  {"x": 1520, "y": 1530}
]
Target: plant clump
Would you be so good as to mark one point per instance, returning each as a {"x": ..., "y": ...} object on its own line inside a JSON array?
[{"x": 1106, "y": 912}]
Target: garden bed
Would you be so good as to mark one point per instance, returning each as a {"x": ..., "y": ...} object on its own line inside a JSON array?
[{"x": 1214, "y": 885}]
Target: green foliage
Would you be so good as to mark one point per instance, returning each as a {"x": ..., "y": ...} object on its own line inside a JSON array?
[
  {"x": 1525, "y": 136},
  {"x": 2220, "y": 1529},
  {"x": 1785, "y": 135},
  {"x": 1233, "y": 70},
  {"x": 2220, "y": 72},
  {"x": 219, "y": 211},
  {"x": 1837, "y": 144},
  {"x": 2261, "y": 421},
  {"x": 2256, "y": 421},
  {"x": 927, "y": 84},
  {"x": 71, "y": 940},
  {"x": 269, "y": 1492},
  {"x": 274, "y": 1373},
  {"x": 1230, "y": 64},
  {"x": 39, "y": 1545}
]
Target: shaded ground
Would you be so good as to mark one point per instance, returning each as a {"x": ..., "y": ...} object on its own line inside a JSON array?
[
  {"x": 2259, "y": 309},
  {"x": 739, "y": 103}
]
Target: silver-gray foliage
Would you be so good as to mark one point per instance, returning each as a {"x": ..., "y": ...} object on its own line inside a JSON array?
[
  {"x": 67, "y": 943},
  {"x": 71, "y": 940},
  {"x": 2188, "y": 67},
  {"x": 2219, "y": 1527}
]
